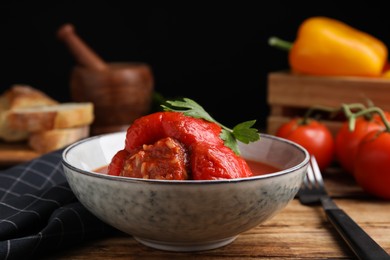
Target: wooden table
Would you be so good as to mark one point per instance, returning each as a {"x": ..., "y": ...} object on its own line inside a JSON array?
[
  {"x": 297, "y": 232},
  {"x": 14, "y": 153}
]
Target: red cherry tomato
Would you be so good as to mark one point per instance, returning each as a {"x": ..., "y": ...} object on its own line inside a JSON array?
[
  {"x": 372, "y": 164},
  {"x": 347, "y": 141},
  {"x": 314, "y": 136}
]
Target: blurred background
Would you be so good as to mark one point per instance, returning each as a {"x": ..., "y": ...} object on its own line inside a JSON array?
[{"x": 216, "y": 55}]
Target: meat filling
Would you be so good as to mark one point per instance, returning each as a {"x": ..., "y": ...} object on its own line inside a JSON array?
[{"x": 167, "y": 159}]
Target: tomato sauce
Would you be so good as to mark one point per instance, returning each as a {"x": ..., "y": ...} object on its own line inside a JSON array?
[{"x": 258, "y": 168}]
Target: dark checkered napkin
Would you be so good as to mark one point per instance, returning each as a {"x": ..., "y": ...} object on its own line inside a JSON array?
[{"x": 39, "y": 213}]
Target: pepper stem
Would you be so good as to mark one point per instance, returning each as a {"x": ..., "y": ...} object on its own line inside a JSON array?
[{"x": 279, "y": 43}]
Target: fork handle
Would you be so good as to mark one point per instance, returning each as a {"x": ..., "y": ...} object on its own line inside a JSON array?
[{"x": 357, "y": 239}]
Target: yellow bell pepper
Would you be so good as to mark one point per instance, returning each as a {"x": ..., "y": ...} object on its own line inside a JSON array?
[
  {"x": 386, "y": 74},
  {"x": 386, "y": 70},
  {"x": 329, "y": 47}
]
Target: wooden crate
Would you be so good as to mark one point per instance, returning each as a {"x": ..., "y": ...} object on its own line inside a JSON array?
[{"x": 290, "y": 95}]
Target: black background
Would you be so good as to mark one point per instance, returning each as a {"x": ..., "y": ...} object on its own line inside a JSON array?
[{"x": 216, "y": 55}]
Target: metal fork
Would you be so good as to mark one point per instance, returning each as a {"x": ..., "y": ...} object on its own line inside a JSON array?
[{"x": 313, "y": 192}]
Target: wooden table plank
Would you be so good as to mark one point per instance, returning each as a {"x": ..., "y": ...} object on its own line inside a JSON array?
[
  {"x": 297, "y": 232},
  {"x": 14, "y": 153}
]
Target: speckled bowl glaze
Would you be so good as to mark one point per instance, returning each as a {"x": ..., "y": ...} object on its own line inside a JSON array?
[{"x": 184, "y": 215}]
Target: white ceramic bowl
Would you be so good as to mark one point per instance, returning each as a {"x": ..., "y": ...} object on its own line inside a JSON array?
[{"x": 184, "y": 215}]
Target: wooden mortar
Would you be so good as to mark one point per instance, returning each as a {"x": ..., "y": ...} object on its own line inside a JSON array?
[{"x": 120, "y": 91}]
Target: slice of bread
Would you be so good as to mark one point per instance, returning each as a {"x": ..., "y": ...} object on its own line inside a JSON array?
[
  {"x": 8, "y": 134},
  {"x": 19, "y": 96},
  {"x": 44, "y": 118},
  {"x": 29, "y": 115},
  {"x": 47, "y": 141}
]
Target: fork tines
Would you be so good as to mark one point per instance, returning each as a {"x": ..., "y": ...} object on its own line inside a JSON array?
[{"x": 313, "y": 185}]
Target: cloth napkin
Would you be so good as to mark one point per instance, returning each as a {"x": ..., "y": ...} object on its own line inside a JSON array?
[{"x": 39, "y": 214}]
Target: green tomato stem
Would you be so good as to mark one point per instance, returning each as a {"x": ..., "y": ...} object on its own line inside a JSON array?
[
  {"x": 311, "y": 110},
  {"x": 347, "y": 109},
  {"x": 372, "y": 110}
]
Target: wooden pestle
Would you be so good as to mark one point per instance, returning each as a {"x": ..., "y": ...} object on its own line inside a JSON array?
[
  {"x": 83, "y": 54},
  {"x": 120, "y": 91}
]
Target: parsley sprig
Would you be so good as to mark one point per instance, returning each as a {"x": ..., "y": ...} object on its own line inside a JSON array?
[{"x": 242, "y": 132}]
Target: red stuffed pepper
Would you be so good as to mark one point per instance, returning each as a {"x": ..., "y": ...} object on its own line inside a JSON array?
[{"x": 173, "y": 146}]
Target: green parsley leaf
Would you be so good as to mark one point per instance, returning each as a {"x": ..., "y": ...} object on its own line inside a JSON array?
[
  {"x": 242, "y": 132},
  {"x": 229, "y": 140},
  {"x": 245, "y": 133}
]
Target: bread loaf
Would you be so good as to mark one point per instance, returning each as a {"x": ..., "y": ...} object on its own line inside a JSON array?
[
  {"x": 47, "y": 141},
  {"x": 44, "y": 118}
]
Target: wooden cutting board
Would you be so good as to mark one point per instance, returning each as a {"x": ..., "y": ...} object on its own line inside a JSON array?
[{"x": 11, "y": 154}]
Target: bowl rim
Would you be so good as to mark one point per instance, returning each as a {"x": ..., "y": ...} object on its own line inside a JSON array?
[{"x": 67, "y": 164}]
